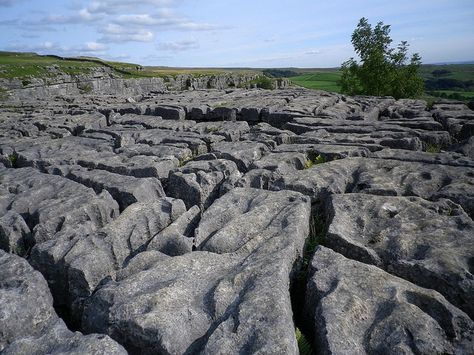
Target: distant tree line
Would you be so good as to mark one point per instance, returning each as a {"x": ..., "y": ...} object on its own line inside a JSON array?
[
  {"x": 280, "y": 73},
  {"x": 440, "y": 72},
  {"x": 449, "y": 84}
]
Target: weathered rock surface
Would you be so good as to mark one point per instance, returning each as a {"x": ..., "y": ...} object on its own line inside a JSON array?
[
  {"x": 201, "y": 182},
  {"x": 242, "y": 289},
  {"x": 186, "y": 221},
  {"x": 126, "y": 190},
  {"x": 40, "y": 206},
  {"x": 76, "y": 262},
  {"x": 29, "y": 323},
  {"x": 428, "y": 243},
  {"x": 358, "y": 308}
]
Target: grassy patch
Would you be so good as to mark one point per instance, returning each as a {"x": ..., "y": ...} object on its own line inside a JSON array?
[
  {"x": 3, "y": 94},
  {"x": 328, "y": 81},
  {"x": 314, "y": 158},
  {"x": 433, "y": 148},
  {"x": 304, "y": 345},
  {"x": 211, "y": 129},
  {"x": 308, "y": 164},
  {"x": 85, "y": 88},
  {"x": 262, "y": 82},
  {"x": 13, "y": 159}
]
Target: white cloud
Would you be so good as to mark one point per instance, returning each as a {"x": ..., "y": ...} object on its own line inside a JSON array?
[
  {"x": 94, "y": 47},
  {"x": 178, "y": 46},
  {"x": 167, "y": 19},
  {"x": 313, "y": 52},
  {"x": 117, "y": 33},
  {"x": 117, "y": 6},
  {"x": 49, "y": 47}
]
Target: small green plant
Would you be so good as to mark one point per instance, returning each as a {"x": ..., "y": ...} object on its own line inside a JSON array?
[
  {"x": 304, "y": 345},
  {"x": 314, "y": 158},
  {"x": 308, "y": 164},
  {"x": 211, "y": 129},
  {"x": 25, "y": 82},
  {"x": 320, "y": 159},
  {"x": 85, "y": 88},
  {"x": 221, "y": 104},
  {"x": 262, "y": 82},
  {"x": 184, "y": 160},
  {"x": 3, "y": 94},
  {"x": 13, "y": 159},
  {"x": 317, "y": 231},
  {"x": 433, "y": 148}
]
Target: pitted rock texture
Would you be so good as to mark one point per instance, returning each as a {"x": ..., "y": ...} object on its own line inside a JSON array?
[
  {"x": 358, "y": 308},
  {"x": 29, "y": 323},
  {"x": 188, "y": 222}
]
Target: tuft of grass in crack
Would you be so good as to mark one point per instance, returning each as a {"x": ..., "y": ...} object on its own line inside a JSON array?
[
  {"x": 3, "y": 94},
  {"x": 433, "y": 148},
  {"x": 317, "y": 232},
  {"x": 308, "y": 164},
  {"x": 314, "y": 158},
  {"x": 185, "y": 160},
  {"x": 13, "y": 158},
  {"x": 304, "y": 345},
  {"x": 211, "y": 129}
]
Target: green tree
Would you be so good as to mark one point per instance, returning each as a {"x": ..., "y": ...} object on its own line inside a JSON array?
[{"x": 382, "y": 70}]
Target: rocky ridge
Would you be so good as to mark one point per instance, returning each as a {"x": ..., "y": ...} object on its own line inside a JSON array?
[
  {"x": 217, "y": 221},
  {"x": 104, "y": 81}
]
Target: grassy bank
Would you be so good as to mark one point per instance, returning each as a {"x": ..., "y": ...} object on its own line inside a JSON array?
[
  {"x": 454, "y": 81},
  {"x": 28, "y": 65}
]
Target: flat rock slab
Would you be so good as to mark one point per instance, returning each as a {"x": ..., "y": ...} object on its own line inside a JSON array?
[
  {"x": 387, "y": 177},
  {"x": 428, "y": 243},
  {"x": 320, "y": 180},
  {"x": 29, "y": 323},
  {"x": 232, "y": 131},
  {"x": 48, "y": 205},
  {"x": 360, "y": 309},
  {"x": 242, "y": 289},
  {"x": 77, "y": 262},
  {"x": 126, "y": 190},
  {"x": 429, "y": 181},
  {"x": 201, "y": 182},
  {"x": 243, "y": 153}
]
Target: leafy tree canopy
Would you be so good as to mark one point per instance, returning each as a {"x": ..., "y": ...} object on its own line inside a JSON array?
[{"x": 382, "y": 70}]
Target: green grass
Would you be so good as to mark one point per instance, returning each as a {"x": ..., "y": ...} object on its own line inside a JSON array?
[
  {"x": 433, "y": 148},
  {"x": 466, "y": 94},
  {"x": 457, "y": 71},
  {"x": 303, "y": 344},
  {"x": 328, "y": 81},
  {"x": 24, "y": 65}
]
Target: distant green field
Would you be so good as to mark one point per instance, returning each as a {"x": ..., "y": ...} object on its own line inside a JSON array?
[
  {"x": 455, "y": 81},
  {"x": 456, "y": 71},
  {"x": 467, "y": 95},
  {"x": 328, "y": 81}
]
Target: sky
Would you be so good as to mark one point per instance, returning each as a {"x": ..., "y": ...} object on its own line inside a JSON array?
[{"x": 232, "y": 33}]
